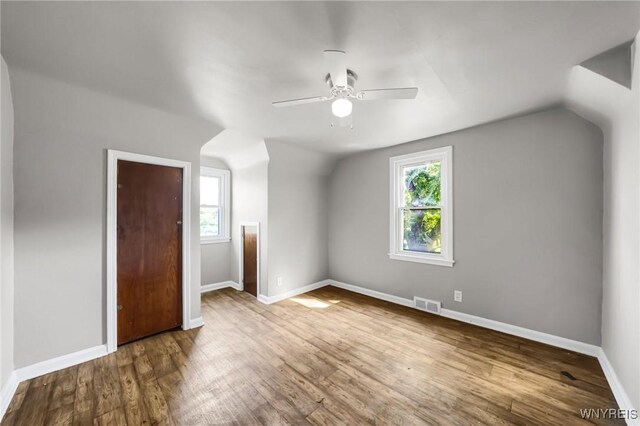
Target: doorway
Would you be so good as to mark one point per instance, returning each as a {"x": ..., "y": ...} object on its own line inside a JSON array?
[
  {"x": 149, "y": 249},
  {"x": 250, "y": 258},
  {"x": 148, "y": 246}
]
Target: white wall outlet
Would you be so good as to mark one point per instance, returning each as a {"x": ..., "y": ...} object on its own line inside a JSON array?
[
  {"x": 279, "y": 281},
  {"x": 457, "y": 296}
]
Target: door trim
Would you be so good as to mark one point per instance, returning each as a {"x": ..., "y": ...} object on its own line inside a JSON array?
[
  {"x": 241, "y": 260},
  {"x": 112, "y": 210}
]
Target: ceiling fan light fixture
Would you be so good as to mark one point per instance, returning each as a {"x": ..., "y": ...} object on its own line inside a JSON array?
[{"x": 341, "y": 107}]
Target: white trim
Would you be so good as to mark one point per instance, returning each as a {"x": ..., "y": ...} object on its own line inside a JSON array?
[
  {"x": 241, "y": 257},
  {"x": 45, "y": 367},
  {"x": 217, "y": 286},
  {"x": 215, "y": 240},
  {"x": 561, "y": 342},
  {"x": 61, "y": 362},
  {"x": 112, "y": 273},
  {"x": 8, "y": 390},
  {"x": 292, "y": 293},
  {"x": 224, "y": 177},
  {"x": 622, "y": 398},
  {"x": 373, "y": 293},
  {"x": 195, "y": 323},
  {"x": 421, "y": 259},
  {"x": 445, "y": 156},
  {"x": 514, "y": 330}
]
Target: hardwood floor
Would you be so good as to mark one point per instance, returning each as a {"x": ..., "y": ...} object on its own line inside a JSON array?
[{"x": 327, "y": 357}]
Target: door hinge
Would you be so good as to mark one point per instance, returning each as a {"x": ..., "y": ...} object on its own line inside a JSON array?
[{"x": 119, "y": 307}]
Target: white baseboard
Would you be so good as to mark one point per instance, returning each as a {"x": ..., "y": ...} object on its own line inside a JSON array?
[
  {"x": 194, "y": 323},
  {"x": 217, "y": 286},
  {"x": 373, "y": 293},
  {"x": 8, "y": 390},
  {"x": 292, "y": 293},
  {"x": 538, "y": 336},
  {"x": 622, "y": 398},
  {"x": 561, "y": 342},
  {"x": 61, "y": 362}
]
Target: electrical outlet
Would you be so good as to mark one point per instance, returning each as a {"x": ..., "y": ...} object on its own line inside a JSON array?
[
  {"x": 279, "y": 281},
  {"x": 457, "y": 296}
]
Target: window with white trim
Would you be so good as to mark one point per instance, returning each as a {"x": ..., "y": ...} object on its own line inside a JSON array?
[
  {"x": 215, "y": 218},
  {"x": 421, "y": 216}
]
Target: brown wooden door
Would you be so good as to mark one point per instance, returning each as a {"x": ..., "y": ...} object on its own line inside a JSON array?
[
  {"x": 149, "y": 249},
  {"x": 250, "y": 259}
]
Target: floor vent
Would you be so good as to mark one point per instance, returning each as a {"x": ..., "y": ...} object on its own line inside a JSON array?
[{"x": 427, "y": 305}]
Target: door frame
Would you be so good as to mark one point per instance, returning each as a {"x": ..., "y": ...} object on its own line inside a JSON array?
[
  {"x": 112, "y": 237},
  {"x": 241, "y": 260}
]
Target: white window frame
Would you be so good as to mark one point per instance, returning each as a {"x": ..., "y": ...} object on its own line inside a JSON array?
[
  {"x": 224, "y": 177},
  {"x": 396, "y": 164}
]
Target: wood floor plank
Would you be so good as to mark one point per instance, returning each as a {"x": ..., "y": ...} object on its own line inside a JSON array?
[
  {"x": 135, "y": 409},
  {"x": 34, "y": 407},
  {"x": 329, "y": 357},
  {"x": 106, "y": 386},
  {"x": 18, "y": 397},
  {"x": 62, "y": 415}
]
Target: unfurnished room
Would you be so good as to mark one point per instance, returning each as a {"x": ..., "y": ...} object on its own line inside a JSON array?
[{"x": 319, "y": 213}]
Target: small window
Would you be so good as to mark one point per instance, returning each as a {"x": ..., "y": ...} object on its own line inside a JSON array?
[
  {"x": 214, "y": 205},
  {"x": 421, "y": 217}
]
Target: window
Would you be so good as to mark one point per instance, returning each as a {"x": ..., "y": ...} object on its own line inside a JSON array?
[
  {"x": 421, "y": 217},
  {"x": 214, "y": 205}
]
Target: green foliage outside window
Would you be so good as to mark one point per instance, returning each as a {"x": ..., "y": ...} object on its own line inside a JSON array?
[
  {"x": 209, "y": 221},
  {"x": 422, "y": 227}
]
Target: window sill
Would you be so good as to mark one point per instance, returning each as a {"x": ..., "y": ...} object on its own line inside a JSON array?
[
  {"x": 421, "y": 259},
  {"x": 215, "y": 240}
]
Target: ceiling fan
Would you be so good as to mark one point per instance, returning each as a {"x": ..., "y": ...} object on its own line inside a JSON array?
[{"x": 341, "y": 81}]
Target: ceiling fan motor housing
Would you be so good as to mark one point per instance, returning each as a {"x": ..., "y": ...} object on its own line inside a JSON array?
[{"x": 343, "y": 92}]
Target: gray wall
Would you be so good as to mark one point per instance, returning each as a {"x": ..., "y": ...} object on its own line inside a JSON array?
[
  {"x": 616, "y": 109},
  {"x": 249, "y": 204},
  {"x": 61, "y": 136},
  {"x": 248, "y": 160},
  {"x": 6, "y": 229},
  {"x": 621, "y": 298},
  {"x": 527, "y": 224},
  {"x": 298, "y": 250},
  {"x": 215, "y": 257}
]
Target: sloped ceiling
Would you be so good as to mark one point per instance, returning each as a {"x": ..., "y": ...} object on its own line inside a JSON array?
[
  {"x": 225, "y": 62},
  {"x": 614, "y": 64}
]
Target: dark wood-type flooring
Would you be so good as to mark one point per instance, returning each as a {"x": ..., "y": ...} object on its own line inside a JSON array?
[{"x": 327, "y": 357}]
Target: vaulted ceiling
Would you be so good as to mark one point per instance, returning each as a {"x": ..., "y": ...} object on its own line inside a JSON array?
[{"x": 225, "y": 62}]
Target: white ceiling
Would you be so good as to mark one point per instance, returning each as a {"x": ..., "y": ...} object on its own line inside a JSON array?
[{"x": 473, "y": 62}]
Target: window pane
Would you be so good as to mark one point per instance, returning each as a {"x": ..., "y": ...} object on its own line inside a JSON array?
[
  {"x": 422, "y": 185},
  {"x": 421, "y": 230},
  {"x": 210, "y": 190},
  {"x": 209, "y": 221}
]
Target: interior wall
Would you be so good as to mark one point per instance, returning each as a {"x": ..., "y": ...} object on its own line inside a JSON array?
[
  {"x": 6, "y": 229},
  {"x": 249, "y": 204},
  {"x": 215, "y": 257},
  {"x": 298, "y": 199},
  {"x": 248, "y": 160},
  {"x": 527, "y": 224},
  {"x": 621, "y": 299},
  {"x": 62, "y": 133},
  {"x": 616, "y": 109}
]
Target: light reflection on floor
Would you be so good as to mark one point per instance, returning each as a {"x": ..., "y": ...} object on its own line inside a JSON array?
[{"x": 310, "y": 303}]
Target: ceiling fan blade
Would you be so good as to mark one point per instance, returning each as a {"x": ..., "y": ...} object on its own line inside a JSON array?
[
  {"x": 374, "y": 94},
  {"x": 336, "y": 63},
  {"x": 301, "y": 101}
]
